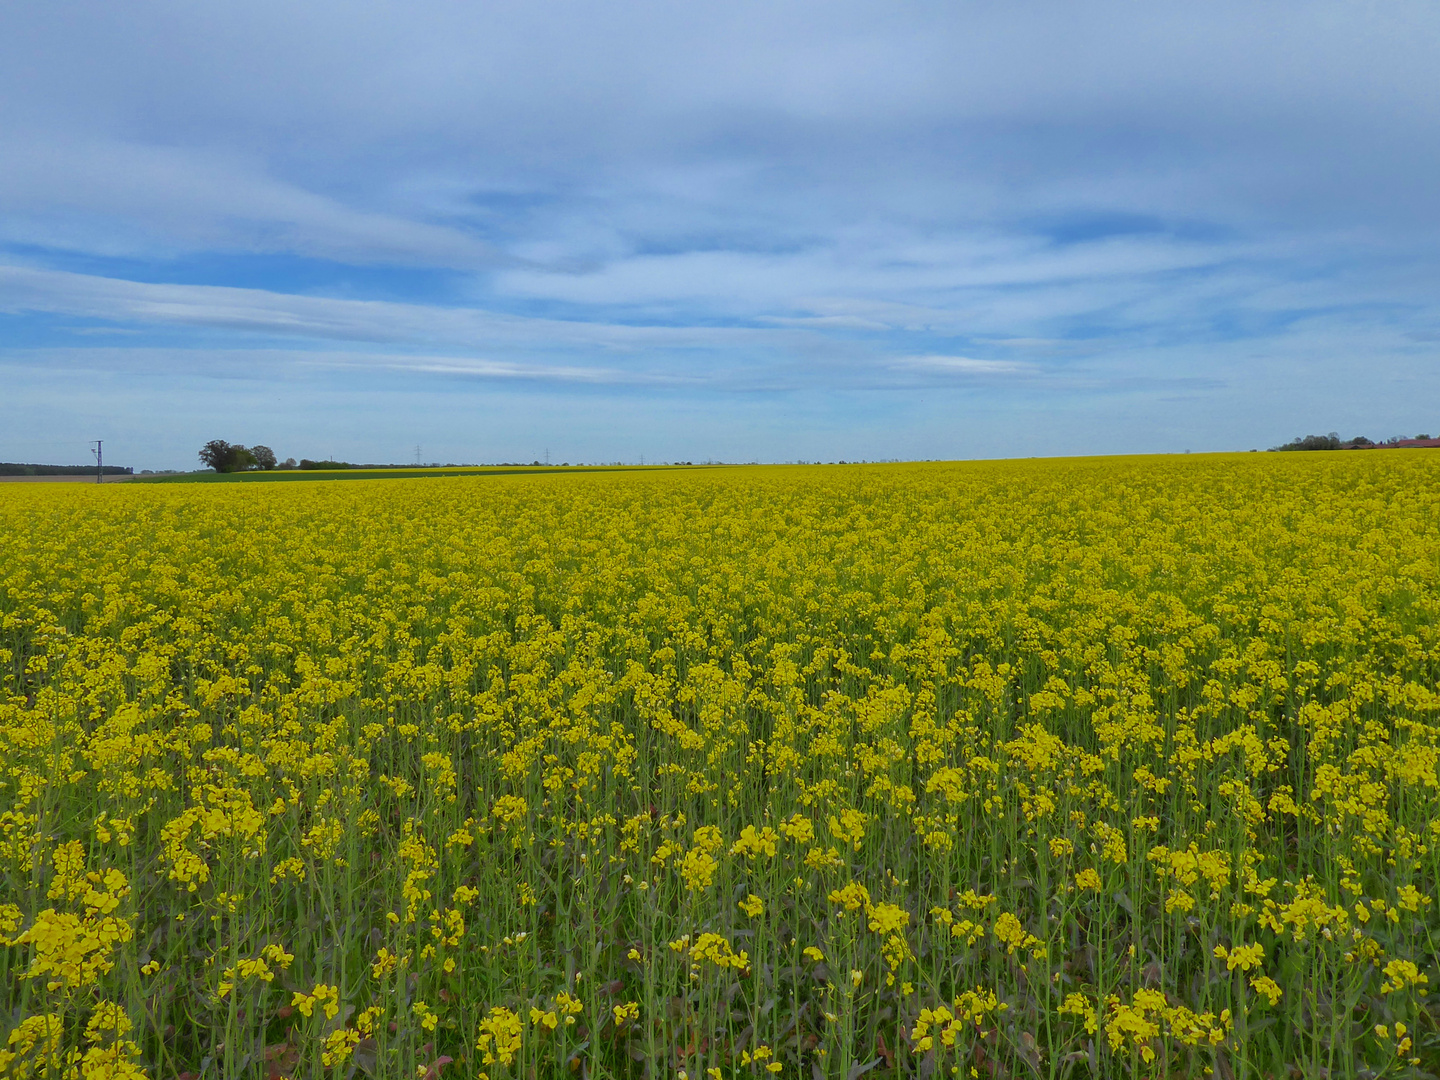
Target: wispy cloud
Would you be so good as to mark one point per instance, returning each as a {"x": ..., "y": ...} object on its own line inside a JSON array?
[
  {"x": 111, "y": 196},
  {"x": 472, "y": 367},
  {"x": 965, "y": 366},
  {"x": 259, "y": 311}
]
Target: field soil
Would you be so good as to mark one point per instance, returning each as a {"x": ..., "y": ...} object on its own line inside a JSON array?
[{"x": 62, "y": 479}]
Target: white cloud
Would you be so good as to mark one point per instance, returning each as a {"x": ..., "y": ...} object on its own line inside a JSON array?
[
  {"x": 259, "y": 311},
  {"x": 964, "y": 366},
  {"x": 483, "y": 368}
]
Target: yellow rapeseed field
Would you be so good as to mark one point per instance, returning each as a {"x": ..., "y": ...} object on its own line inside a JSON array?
[{"x": 1120, "y": 768}]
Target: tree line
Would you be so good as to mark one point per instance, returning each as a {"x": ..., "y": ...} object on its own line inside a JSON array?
[
  {"x": 229, "y": 457},
  {"x": 18, "y": 468},
  {"x": 1334, "y": 442}
]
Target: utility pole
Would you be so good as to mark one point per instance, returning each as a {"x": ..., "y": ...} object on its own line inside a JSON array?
[{"x": 98, "y": 451}]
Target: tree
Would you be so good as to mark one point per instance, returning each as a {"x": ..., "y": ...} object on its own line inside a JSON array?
[
  {"x": 264, "y": 457},
  {"x": 219, "y": 455},
  {"x": 232, "y": 457},
  {"x": 1313, "y": 442}
]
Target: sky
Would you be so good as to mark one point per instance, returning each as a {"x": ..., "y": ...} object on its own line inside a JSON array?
[{"x": 745, "y": 231}]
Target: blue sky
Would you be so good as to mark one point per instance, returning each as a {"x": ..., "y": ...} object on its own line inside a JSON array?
[{"x": 738, "y": 232}]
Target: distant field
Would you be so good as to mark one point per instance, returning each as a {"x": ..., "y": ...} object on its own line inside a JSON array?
[
  {"x": 72, "y": 479},
  {"x": 282, "y": 475},
  {"x": 1087, "y": 768}
]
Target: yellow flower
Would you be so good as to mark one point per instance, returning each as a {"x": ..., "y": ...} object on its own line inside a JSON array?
[
  {"x": 752, "y": 843},
  {"x": 853, "y": 896},
  {"x": 798, "y": 828},
  {"x": 849, "y": 827},
  {"x": 339, "y": 1045},
  {"x": 1010, "y": 933},
  {"x": 698, "y": 869},
  {"x": 327, "y": 997},
  {"x": 1243, "y": 957},
  {"x": 1267, "y": 986},
  {"x": 717, "y": 950},
  {"x": 1400, "y": 974},
  {"x": 888, "y": 918},
  {"x": 499, "y": 1037}
]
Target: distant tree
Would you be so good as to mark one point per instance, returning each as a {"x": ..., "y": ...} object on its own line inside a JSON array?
[
  {"x": 232, "y": 457},
  {"x": 220, "y": 455},
  {"x": 264, "y": 457},
  {"x": 1313, "y": 442},
  {"x": 288, "y": 463}
]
